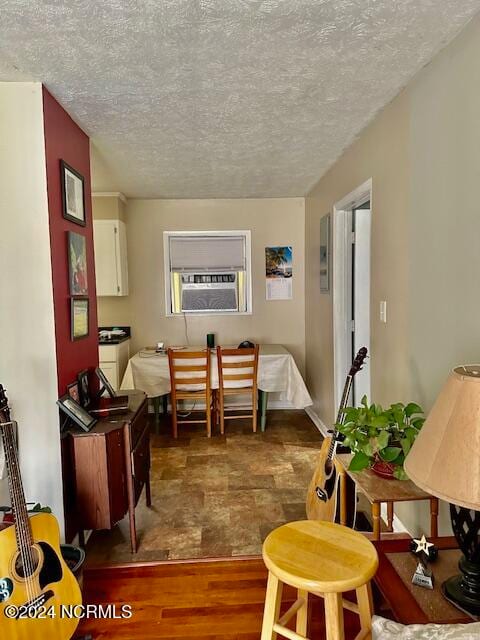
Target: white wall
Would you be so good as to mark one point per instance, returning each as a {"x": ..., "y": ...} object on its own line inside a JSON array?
[{"x": 27, "y": 341}]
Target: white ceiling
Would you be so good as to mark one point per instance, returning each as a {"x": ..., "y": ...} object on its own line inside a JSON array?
[{"x": 223, "y": 98}]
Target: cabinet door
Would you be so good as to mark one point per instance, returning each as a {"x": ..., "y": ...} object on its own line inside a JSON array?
[
  {"x": 141, "y": 463},
  {"x": 123, "y": 355},
  {"x": 116, "y": 475},
  {"x": 121, "y": 258},
  {"x": 110, "y": 369},
  {"x": 105, "y": 243}
]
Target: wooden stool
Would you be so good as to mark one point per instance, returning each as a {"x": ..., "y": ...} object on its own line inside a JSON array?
[{"x": 325, "y": 559}]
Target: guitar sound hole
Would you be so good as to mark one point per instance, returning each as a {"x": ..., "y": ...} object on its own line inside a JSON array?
[{"x": 25, "y": 567}]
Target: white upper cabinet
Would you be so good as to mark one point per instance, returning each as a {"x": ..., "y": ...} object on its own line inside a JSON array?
[{"x": 111, "y": 264}]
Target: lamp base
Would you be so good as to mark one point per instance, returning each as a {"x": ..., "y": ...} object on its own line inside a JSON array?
[{"x": 464, "y": 590}]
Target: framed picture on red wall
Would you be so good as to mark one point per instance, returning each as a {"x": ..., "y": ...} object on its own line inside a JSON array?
[
  {"x": 79, "y": 318},
  {"x": 73, "y": 195},
  {"x": 77, "y": 264}
]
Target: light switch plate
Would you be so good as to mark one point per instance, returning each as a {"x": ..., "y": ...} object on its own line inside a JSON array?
[{"x": 383, "y": 311}]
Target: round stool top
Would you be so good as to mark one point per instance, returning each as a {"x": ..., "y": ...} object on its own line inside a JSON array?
[{"x": 320, "y": 556}]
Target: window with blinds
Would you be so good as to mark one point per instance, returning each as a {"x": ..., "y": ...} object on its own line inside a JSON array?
[{"x": 207, "y": 272}]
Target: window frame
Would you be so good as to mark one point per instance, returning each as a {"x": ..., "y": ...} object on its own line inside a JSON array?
[{"x": 246, "y": 233}]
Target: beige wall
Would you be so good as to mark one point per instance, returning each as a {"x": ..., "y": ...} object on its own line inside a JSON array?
[
  {"x": 423, "y": 155},
  {"x": 381, "y": 154},
  {"x": 109, "y": 207},
  {"x": 271, "y": 221}
]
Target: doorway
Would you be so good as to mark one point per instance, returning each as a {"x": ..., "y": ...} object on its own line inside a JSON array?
[{"x": 351, "y": 288}]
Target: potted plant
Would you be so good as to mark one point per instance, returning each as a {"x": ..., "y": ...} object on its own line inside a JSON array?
[{"x": 381, "y": 438}]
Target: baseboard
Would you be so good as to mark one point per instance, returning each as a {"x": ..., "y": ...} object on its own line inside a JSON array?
[{"x": 317, "y": 421}]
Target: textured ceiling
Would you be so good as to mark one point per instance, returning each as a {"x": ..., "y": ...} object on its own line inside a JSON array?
[{"x": 223, "y": 98}]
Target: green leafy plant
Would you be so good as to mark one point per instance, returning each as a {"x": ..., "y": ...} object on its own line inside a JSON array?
[
  {"x": 37, "y": 508},
  {"x": 375, "y": 434}
]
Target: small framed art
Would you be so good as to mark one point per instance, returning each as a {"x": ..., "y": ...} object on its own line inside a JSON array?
[
  {"x": 79, "y": 317},
  {"x": 73, "y": 195},
  {"x": 83, "y": 388},
  {"x": 73, "y": 391},
  {"x": 77, "y": 413},
  {"x": 325, "y": 254},
  {"x": 77, "y": 264}
]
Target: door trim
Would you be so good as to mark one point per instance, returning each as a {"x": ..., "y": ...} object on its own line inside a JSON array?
[{"x": 341, "y": 283}]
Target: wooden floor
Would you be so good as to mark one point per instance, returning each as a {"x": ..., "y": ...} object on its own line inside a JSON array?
[{"x": 191, "y": 601}]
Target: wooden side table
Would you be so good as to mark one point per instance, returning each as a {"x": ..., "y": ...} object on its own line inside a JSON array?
[
  {"x": 379, "y": 490},
  {"x": 409, "y": 603}
]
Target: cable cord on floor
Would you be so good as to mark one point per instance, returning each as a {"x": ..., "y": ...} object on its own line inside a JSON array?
[{"x": 189, "y": 413}]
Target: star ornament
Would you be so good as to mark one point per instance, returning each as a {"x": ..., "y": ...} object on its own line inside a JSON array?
[{"x": 423, "y": 545}]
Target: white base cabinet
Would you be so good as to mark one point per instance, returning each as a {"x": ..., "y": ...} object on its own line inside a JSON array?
[{"x": 113, "y": 361}]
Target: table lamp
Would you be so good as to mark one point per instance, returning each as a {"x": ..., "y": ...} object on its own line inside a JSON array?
[{"x": 445, "y": 461}]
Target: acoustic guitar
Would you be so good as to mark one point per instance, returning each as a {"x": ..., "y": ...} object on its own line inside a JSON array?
[
  {"x": 38, "y": 592},
  {"x": 322, "y": 492}
]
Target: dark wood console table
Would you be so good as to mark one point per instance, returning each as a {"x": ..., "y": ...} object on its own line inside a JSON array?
[{"x": 111, "y": 466}]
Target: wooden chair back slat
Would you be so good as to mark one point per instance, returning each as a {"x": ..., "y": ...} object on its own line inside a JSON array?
[
  {"x": 179, "y": 382},
  {"x": 245, "y": 364},
  {"x": 189, "y": 355},
  {"x": 238, "y": 352},
  {"x": 191, "y": 367},
  {"x": 238, "y": 376}
]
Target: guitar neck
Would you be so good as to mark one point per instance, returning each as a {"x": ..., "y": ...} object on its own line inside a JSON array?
[
  {"x": 22, "y": 521},
  {"x": 340, "y": 416}
]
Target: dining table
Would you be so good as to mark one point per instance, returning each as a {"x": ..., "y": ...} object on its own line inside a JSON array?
[{"x": 278, "y": 372}]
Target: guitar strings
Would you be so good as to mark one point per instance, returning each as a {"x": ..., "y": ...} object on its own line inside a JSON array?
[
  {"x": 12, "y": 490},
  {"x": 15, "y": 498},
  {"x": 21, "y": 512},
  {"x": 27, "y": 534}
]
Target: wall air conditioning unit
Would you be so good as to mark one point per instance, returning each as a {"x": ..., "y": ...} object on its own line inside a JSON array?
[
  {"x": 209, "y": 292},
  {"x": 207, "y": 272}
]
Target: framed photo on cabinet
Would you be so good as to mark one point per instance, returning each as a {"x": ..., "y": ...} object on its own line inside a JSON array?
[
  {"x": 76, "y": 412},
  {"x": 73, "y": 194}
]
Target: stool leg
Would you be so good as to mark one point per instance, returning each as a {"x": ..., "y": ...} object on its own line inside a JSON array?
[
  {"x": 273, "y": 600},
  {"x": 302, "y": 614},
  {"x": 365, "y": 607},
  {"x": 334, "y": 616}
]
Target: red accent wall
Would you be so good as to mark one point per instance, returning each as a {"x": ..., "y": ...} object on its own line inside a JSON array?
[{"x": 64, "y": 140}]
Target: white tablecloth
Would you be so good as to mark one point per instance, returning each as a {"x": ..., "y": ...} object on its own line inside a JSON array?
[{"x": 277, "y": 372}]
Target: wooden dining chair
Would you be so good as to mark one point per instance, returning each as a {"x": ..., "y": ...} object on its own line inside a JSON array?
[
  {"x": 190, "y": 380},
  {"x": 237, "y": 375}
]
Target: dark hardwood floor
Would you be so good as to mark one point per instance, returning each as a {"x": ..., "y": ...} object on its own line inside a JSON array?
[{"x": 220, "y": 600}]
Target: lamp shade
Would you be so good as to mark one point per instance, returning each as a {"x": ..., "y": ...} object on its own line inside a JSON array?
[{"x": 445, "y": 458}]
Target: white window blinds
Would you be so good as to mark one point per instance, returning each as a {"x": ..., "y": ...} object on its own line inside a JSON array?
[{"x": 207, "y": 253}]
